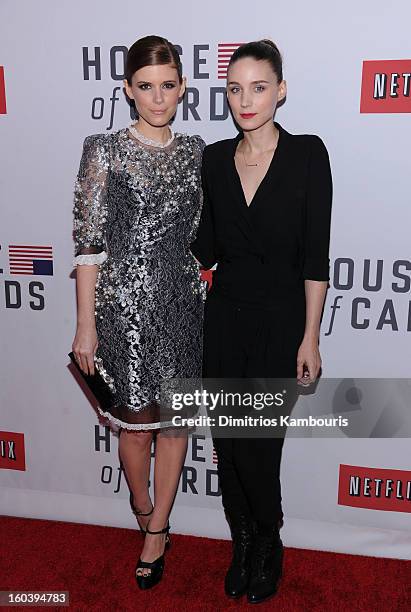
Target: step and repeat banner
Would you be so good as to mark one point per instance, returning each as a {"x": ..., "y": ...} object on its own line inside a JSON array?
[{"x": 348, "y": 72}]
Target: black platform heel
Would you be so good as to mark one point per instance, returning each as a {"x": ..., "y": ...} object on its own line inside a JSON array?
[{"x": 156, "y": 566}]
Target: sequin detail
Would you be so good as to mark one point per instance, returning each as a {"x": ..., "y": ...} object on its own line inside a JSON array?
[{"x": 141, "y": 207}]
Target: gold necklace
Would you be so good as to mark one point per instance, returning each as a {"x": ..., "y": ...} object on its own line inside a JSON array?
[
  {"x": 263, "y": 153},
  {"x": 245, "y": 161}
]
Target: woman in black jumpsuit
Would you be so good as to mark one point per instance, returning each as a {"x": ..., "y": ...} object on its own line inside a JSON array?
[{"x": 263, "y": 311}]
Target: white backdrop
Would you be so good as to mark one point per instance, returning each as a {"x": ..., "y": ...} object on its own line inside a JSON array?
[{"x": 71, "y": 463}]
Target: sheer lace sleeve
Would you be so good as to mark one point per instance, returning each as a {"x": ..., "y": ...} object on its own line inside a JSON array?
[
  {"x": 198, "y": 148},
  {"x": 90, "y": 202}
]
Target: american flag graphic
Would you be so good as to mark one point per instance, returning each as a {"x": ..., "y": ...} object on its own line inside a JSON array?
[
  {"x": 30, "y": 259},
  {"x": 215, "y": 460},
  {"x": 3, "y": 108},
  {"x": 225, "y": 51}
]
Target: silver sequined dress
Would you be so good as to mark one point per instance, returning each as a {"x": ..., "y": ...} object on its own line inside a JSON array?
[{"x": 136, "y": 210}]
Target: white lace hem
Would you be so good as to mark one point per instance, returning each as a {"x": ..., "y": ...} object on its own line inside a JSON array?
[
  {"x": 90, "y": 259},
  {"x": 135, "y": 426}
]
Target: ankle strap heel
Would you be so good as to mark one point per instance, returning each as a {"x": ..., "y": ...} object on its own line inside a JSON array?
[
  {"x": 165, "y": 530},
  {"x": 137, "y": 513},
  {"x": 156, "y": 567},
  {"x": 143, "y": 513}
]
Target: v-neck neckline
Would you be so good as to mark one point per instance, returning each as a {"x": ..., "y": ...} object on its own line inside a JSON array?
[{"x": 237, "y": 139}]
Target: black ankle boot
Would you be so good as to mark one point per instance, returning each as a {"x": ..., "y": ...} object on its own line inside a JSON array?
[
  {"x": 266, "y": 565},
  {"x": 237, "y": 577}
]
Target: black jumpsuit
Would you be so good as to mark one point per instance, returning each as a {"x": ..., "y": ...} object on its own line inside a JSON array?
[{"x": 255, "y": 310}]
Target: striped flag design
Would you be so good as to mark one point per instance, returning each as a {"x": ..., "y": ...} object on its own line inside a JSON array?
[
  {"x": 225, "y": 51},
  {"x": 29, "y": 259},
  {"x": 215, "y": 460},
  {"x": 3, "y": 106}
]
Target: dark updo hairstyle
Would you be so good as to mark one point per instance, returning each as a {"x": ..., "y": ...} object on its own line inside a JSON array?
[
  {"x": 261, "y": 50},
  {"x": 152, "y": 51}
]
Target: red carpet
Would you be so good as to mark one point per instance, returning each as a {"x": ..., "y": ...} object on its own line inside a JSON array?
[{"x": 96, "y": 565}]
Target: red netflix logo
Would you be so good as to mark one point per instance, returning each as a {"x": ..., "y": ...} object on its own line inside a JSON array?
[
  {"x": 386, "y": 86},
  {"x": 375, "y": 488},
  {"x": 3, "y": 109},
  {"x": 12, "y": 454}
]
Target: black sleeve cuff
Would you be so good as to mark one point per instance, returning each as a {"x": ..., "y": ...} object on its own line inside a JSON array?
[
  {"x": 202, "y": 254},
  {"x": 316, "y": 269}
]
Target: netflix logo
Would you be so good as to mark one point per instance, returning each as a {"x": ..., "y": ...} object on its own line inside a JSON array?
[
  {"x": 386, "y": 86},
  {"x": 3, "y": 109},
  {"x": 375, "y": 488},
  {"x": 12, "y": 453}
]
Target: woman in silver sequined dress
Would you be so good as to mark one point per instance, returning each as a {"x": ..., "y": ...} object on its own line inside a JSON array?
[{"x": 140, "y": 296}]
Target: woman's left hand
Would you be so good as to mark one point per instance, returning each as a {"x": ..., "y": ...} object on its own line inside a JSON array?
[{"x": 308, "y": 362}]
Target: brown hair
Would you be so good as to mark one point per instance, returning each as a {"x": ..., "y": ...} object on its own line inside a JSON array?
[
  {"x": 152, "y": 51},
  {"x": 261, "y": 50}
]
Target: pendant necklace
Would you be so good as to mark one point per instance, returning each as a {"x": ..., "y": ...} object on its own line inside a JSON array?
[{"x": 245, "y": 161}]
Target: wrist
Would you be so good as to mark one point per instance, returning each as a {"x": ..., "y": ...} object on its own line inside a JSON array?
[
  {"x": 86, "y": 323},
  {"x": 312, "y": 337}
]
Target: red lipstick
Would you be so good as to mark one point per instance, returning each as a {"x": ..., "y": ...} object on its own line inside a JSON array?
[{"x": 247, "y": 115}]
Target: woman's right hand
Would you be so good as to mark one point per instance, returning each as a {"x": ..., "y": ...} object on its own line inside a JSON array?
[{"x": 85, "y": 346}]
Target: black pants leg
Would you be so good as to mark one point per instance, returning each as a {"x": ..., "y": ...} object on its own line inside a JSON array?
[
  {"x": 220, "y": 324},
  {"x": 240, "y": 343},
  {"x": 257, "y": 461},
  {"x": 233, "y": 494}
]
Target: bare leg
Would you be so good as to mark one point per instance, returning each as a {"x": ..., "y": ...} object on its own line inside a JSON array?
[
  {"x": 169, "y": 459},
  {"x": 134, "y": 450}
]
